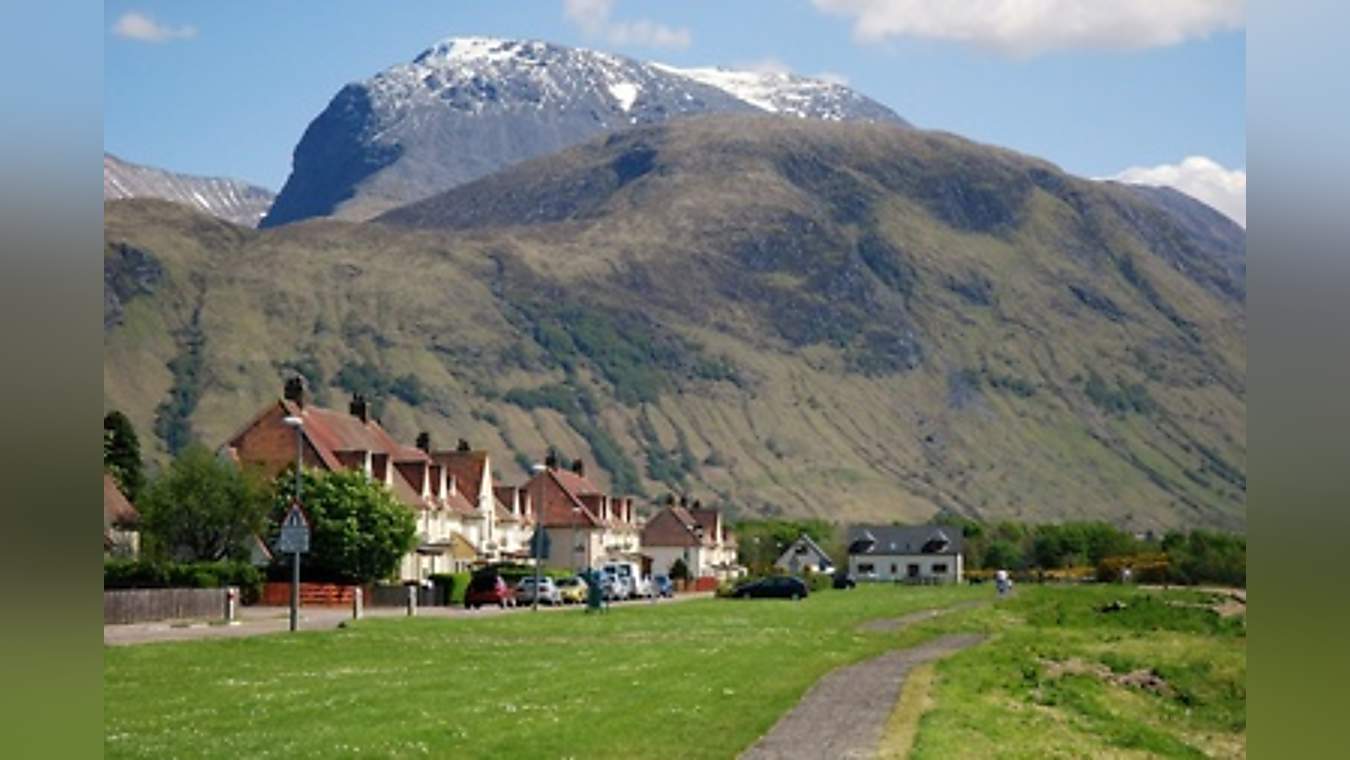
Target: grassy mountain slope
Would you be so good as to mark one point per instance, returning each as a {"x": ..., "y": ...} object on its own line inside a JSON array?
[{"x": 851, "y": 321}]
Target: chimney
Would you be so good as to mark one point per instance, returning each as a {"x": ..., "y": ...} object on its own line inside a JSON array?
[
  {"x": 551, "y": 461},
  {"x": 453, "y": 486},
  {"x": 359, "y": 408},
  {"x": 670, "y": 500},
  {"x": 684, "y": 501},
  {"x": 463, "y": 445},
  {"x": 294, "y": 390},
  {"x": 579, "y": 467},
  {"x": 424, "y": 441}
]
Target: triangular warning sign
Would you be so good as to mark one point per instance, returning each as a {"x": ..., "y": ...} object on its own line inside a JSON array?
[{"x": 295, "y": 518}]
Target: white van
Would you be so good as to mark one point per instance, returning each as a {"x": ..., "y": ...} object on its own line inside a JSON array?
[{"x": 629, "y": 576}]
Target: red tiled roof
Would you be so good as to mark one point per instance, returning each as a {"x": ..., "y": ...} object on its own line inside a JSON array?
[
  {"x": 468, "y": 468},
  {"x": 117, "y": 511}
]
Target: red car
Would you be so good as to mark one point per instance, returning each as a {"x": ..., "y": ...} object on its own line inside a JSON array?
[{"x": 488, "y": 588}]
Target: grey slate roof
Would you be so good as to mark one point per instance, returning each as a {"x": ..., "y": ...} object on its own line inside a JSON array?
[
  {"x": 812, "y": 548},
  {"x": 907, "y": 539}
]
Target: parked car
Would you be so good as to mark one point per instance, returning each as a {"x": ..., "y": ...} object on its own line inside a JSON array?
[
  {"x": 843, "y": 580},
  {"x": 780, "y": 587},
  {"x": 548, "y": 591},
  {"x": 572, "y": 590},
  {"x": 630, "y": 580},
  {"x": 662, "y": 586},
  {"x": 488, "y": 588}
]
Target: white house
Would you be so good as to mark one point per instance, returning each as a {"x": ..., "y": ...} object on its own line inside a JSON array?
[
  {"x": 906, "y": 554},
  {"x": 805, "y": 556}
]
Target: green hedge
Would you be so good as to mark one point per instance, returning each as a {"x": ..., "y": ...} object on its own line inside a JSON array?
[
  {"x": 129, "y": 573},
  {"x": 455, "y": 584}
]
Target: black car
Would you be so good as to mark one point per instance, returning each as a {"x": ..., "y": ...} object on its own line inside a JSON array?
[
  {"x": 843, "y": 580},
  {"x": 774, "y": 588}
]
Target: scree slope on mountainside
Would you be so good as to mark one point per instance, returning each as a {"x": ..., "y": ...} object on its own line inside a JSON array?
[{"x": 853, "y": 321}]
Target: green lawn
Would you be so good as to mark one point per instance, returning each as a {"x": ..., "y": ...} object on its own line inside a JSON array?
[
  {"x": 693, "y": 679},
  {"x": 689, "y": 680}
]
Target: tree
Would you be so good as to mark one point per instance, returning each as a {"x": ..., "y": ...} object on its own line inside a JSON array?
[
  {"x": 204, "y": 508},
  {"x": 679, "y": 571},
  {"x": 122, "y": 455},
  {"x": 358, "y": 531},
  {"x": 1003, "y": 554}
]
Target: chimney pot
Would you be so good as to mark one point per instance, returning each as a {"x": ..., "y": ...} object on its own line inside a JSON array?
[
  {"x": 463, "y": 445},
  {"x": 294, "y": 390},
  {"x": 359, "y": 408}
]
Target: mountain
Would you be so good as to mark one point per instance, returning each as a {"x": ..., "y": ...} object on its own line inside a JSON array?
[
  {"x": 228, "y": 199},
  {"x": 469, "y": 106},
  {"x": 784, "y": 316}
]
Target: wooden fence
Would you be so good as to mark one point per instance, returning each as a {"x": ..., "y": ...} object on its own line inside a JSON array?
[{"x": 145, "y": 605}]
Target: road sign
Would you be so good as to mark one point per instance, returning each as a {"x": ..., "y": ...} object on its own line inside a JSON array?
[
  {"x": 294, "y": 532},
  {"x": 539, "y": 544}
]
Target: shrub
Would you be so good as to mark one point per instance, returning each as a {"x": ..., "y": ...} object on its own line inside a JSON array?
[
  {"x": 128, "y": 574},
  {"x": 454, "y": 585},
  {"x": 818, "y": 581}
]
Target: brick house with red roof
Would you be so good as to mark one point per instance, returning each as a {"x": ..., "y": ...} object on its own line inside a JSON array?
[
  {"x": 333, "y": 441},
  {"x": 586, "y": 526},
  {"x": 695, "y": 534}
]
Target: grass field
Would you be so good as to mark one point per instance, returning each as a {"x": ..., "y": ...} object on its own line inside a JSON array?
[{"x": 691, "y": 680}]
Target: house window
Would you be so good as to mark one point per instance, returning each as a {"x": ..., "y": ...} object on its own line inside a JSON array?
[
  {"x": 939, "y": 569},
  {"x": 912, "y": 570},
  {"x": 892, "y": 568},
  {"x": 866, "y": 567}
]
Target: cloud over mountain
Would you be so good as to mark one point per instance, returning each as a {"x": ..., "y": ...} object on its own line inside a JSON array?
[
  {"x": 1031, "y": 27},
  {"x": 1201, "y": 178},
  {"x": 140, "y": 27}
]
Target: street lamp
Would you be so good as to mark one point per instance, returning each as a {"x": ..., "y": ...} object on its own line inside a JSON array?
[{"x": 299, "y": 425}]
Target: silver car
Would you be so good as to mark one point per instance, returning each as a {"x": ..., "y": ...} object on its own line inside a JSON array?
[{"x": 548, "y": 591}]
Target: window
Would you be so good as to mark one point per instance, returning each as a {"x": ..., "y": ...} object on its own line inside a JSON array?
[
  {"x": 940, "y": 569},
  {"x": 912, "y": 570},
  {"x": 866, "y": 567},
  {"x": 892, "y": 568}
]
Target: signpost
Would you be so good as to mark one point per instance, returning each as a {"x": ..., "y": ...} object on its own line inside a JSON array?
[
  {"x": 539, "y": 548},
  {"x": 294, "y": 540}
]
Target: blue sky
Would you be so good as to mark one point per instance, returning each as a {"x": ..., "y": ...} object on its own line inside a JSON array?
[{"x": 228, "y": 88}]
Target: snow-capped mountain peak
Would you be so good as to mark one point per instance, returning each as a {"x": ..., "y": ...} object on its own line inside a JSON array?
[{"x": 467, "y": 106}]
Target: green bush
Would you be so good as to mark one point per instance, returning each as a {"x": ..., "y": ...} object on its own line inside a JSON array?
[
  {"x": 818, "y": 581},
  {"x": 127, "y": 574},
  {"x": 455, "y": 584}
]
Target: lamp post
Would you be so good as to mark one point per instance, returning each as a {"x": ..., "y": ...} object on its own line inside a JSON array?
[
  {"x": 572, "y": 538},
  {"x": 299, "y": 425}
]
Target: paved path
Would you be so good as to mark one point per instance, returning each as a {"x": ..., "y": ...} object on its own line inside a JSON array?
[
  {"x": 844, "y": 714},
  {"x": 904, "y": 621},
  {"x": 256, "y": 621}
]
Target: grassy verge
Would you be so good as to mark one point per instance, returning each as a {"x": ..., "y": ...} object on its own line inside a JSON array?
[
  {"x": 1061, "y": 678},
  {"x": 693, "y": 680}
]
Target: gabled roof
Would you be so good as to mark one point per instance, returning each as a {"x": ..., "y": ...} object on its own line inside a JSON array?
[
  {"x": 567, "y": 509},
  {"x": 811, "y": 548},
  {"x": 468, "y": 468},
  {"x": 676, "y": 525},
  {"x": 117, "y": 511},
  {"x": 904, "y": 539}
]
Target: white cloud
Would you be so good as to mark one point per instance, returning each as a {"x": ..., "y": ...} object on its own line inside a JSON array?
[
  {"x": 1029, "y": 27},
  {"x": 594, "y": 19},
  {"x": 1202, "y": 179},
  {"x": 833, "y": 77},
  {"x": 134, "y": 25}
]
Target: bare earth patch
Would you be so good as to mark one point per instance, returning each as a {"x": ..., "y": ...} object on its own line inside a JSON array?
[
  {"x": 1136, "y": 679},
  {"x": 844, "y": 714}
]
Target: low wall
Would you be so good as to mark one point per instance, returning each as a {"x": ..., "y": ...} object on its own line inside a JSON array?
[{"x": 144, "y": 605}]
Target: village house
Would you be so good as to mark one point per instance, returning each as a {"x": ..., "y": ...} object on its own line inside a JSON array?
[
  {"x": 121, "y": 521},
  {"x": 334, "y": 441},
  {"x": 694, "y": 534},
  {"x": 586, "y": 526},
  {"x": 804, "y": 556},
  {"x": 907, "y": 554}
]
